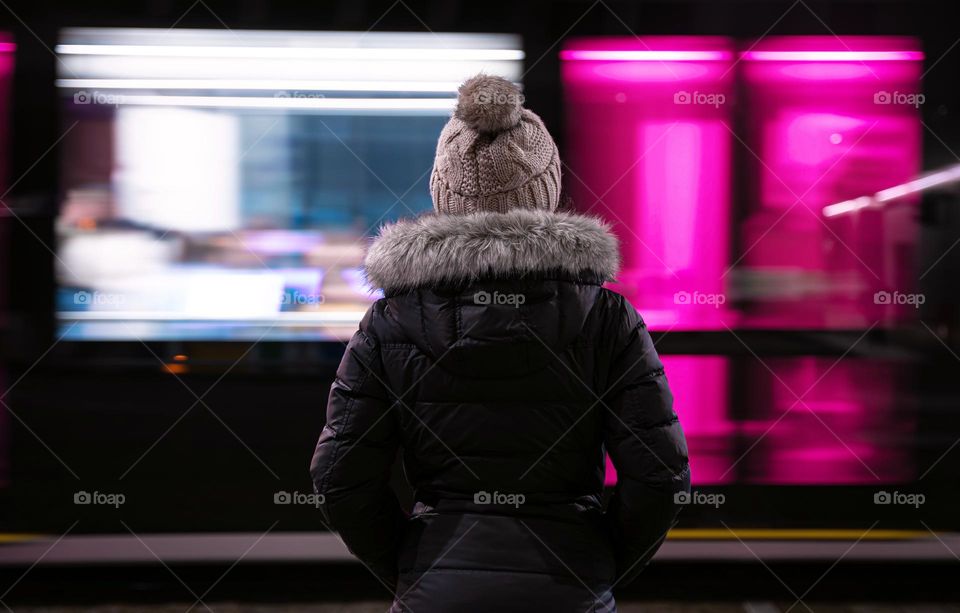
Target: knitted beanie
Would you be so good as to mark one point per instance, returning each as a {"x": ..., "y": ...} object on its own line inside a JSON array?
[{"x": 494, "y": 155}]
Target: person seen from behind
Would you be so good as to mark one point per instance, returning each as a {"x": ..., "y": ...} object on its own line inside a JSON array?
[{"x": 502, "y": 370}]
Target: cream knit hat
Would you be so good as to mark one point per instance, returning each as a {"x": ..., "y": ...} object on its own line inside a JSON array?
[{"x": 494, "y": 155}]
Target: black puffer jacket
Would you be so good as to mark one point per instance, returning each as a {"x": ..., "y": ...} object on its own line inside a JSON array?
[{"x": 503, "y": 370}]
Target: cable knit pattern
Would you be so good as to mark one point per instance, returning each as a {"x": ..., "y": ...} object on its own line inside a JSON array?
[{"x": 481, "y": 170}]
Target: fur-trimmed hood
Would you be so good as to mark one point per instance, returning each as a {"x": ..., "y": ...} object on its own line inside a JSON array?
[{"x": 433, "y": 250}]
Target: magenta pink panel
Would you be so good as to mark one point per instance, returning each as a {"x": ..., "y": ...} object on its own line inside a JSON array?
[
  {"x": 649, "y": 149},
  {"x": 827, "y": 120},
  {"x": 849, "y": 426},
  {"x": 811, "y": 421},
  {"x": 7, "y": 49},
  {"x": 651, "y": 129}
]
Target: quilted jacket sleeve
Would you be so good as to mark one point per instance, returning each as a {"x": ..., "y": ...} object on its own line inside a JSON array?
[
  {"x": 352, "y": 462},
  {"x": 644, "y": 439}
]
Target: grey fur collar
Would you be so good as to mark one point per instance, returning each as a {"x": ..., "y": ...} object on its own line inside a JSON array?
[{"x": 432, "y": 249}]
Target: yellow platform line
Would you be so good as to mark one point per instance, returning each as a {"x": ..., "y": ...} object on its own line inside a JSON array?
[
  {"x": 692, "y": 534},
  {"x": 21, "y": 537}
]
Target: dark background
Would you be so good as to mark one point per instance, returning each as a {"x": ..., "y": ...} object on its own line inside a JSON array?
[{"x": 85, "y": 414}]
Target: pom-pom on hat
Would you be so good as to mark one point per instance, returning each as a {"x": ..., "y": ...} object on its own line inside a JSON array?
[
  {"x": 493, "y": 154},
  {"x": 489, "y": 104}
]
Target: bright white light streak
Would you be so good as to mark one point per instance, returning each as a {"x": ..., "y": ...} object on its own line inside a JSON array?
[
  {"x": 942, "y": 177},
  {"x": 387, "y": 105},
  {"x": 278, "y": 318},
  {"x": 262, "y": 85},
  {"x": 314, "y": 53},
  {"x": 935, "y": 179},
  {"x": 848, "y": 206}
]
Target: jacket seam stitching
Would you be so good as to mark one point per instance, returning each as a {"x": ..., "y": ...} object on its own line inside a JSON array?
[
  {"x": 661, "y": 424},
  {"x": 348, "y": 415},
  {"x": 645, "y": 378},
  {"x": 423, "y": 323}
]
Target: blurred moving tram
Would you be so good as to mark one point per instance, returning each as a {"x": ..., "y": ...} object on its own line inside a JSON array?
[{"x": 789, "y": 250}]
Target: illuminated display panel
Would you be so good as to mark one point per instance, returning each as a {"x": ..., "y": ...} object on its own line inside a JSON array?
[
  {"x": 801, "y": 420},
  {"x": 829, "y": 120},
  {"x": 650, "y": 137},
  {"x": 222, "y": 184},
  {"x": 649, "y": 148}
]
